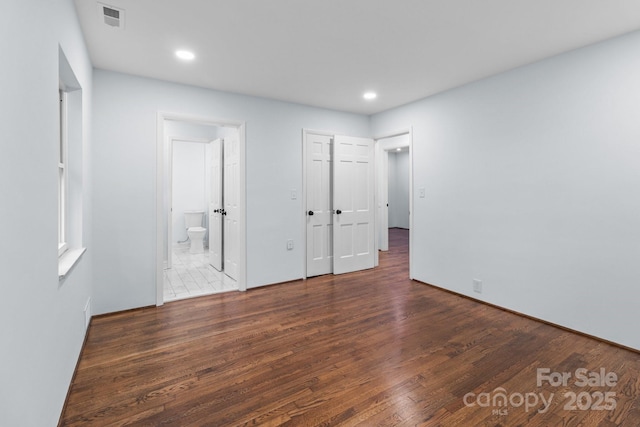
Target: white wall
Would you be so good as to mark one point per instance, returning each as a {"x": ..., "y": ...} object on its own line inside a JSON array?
[
  {"x": 399, "y": 189},
  {"x": 42, "y": 319},
  {"x": 531, "y": 182},
  {"x": 190, "y": 165},
  {"x": 125, "y": 168}
]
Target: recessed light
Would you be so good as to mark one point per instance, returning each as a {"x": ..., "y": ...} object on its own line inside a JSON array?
[
  {"x": 370, "y": 95},
  {"x": 185, "y": 55},
  {"x": 398, "y": 149}
]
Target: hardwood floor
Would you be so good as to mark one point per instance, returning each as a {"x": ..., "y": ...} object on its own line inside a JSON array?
[{"x": 368, "y": 348}]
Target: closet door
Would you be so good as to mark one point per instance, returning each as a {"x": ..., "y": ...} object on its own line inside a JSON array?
[
  {"x": 231, "y": 213},
  {"x": 215, "y": 207},
  {"x": 353, "y": 204},
  {"x": 319, "y": 214}
]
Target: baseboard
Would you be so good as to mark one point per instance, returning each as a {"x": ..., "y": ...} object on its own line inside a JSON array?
[
  {"x": 75, "y": 371},
  {"x": 113, "y": 313}
]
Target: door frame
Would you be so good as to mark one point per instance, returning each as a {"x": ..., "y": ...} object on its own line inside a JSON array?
[
  {"x": 382, "y": 179},
  {"x": 161, "y": 140}
]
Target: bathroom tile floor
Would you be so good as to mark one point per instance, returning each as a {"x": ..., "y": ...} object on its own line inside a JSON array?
[{"x": 192, "y": 276}]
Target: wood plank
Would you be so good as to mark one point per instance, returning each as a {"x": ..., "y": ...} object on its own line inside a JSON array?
[{"x": 362, "y": 349}]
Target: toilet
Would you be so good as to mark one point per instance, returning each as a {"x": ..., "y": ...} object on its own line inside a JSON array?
[{"x": 195, "y": 230}]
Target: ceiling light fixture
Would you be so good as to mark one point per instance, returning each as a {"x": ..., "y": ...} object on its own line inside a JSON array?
[
  {"x": 185, "y": 55},
  {"x": 370, "y": 95},
  {"x": 398, "y": 149}
]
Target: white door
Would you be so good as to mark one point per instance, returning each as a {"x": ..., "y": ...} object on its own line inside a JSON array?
[
  {"x": 353, "y": 204},
  {"x": 319, "y": 215},
  {"x": 215, "y": 207},
  {"x": 231, "y": 213}
]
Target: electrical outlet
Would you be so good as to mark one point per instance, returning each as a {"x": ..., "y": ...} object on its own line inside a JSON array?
[
  {"x": 477, "y": 286},
  {"x": 289, "y": 244}
]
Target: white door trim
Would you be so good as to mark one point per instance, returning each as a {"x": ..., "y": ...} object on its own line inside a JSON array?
[
  {"x": 160, "y": 181},
  {"x": 382, "y": 149}
]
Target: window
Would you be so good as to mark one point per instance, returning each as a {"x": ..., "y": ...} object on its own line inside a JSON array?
[
  {"x": 69, "y": 158},
  {"x": 62, "y": 175}
]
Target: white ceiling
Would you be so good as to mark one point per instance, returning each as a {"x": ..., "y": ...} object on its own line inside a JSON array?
[{"x": 327, "y": 53}]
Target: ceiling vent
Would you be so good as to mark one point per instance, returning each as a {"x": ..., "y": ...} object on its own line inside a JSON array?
[{"x": 112, "y": 16}]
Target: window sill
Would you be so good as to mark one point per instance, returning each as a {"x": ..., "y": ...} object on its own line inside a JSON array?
[{"x": 68, "y": 260}]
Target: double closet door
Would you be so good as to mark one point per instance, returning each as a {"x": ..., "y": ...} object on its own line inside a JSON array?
[
  {"x": 340, "y": 203},
  {"x": 223, "y": 208}
]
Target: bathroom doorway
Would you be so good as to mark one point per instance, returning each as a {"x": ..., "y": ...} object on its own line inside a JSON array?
[
  {"x": 192, "y": 226},
  {"x": 187, "y": 187},
  {"x": 186, "y": 220}
]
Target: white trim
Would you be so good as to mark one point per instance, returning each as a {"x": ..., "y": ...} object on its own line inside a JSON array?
[
  {"x": 63, "y": 174},
  {"x": 382, "y": 177},
  {"x": 189, "y": 139},
  {"x": 242, "y": 199},
  {"x": 62, "y": 248},
  {"x": 400, "y": 132},
  {"x": 242, "y": 231},
  {"x": 319, "y": 132},
  {"x": 303, "y": 194},
  {"x": 381, "y": 146},
  {"x": 68, "y": 260}
]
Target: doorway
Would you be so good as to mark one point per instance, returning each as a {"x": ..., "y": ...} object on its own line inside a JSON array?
[
  {"x": 339, "y": 188},
  {"x": 236, "y": 249},
  {"x": 394, "y": 172},
  {"x": 200, "y": 176},
  {"x": 398, "y": 188},
  {"x": 186, "y": 188}
]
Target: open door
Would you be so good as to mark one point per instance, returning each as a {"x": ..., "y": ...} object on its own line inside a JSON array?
[
  {"x": 215, "y": 206},
  {"x": 353, "y": 204},
  {"x": 231, "y": 212}
]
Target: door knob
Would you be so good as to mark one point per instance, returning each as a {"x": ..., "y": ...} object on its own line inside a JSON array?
[
  {"x": 338, "y": 211},
  {"x": 310, "y": 213}
]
